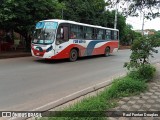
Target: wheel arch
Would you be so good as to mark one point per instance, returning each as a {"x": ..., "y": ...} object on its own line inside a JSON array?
[
  {"x": 77, "y": 49},
  {"x": 106, "y": 54},
  {"x": 108, "y": 47}
]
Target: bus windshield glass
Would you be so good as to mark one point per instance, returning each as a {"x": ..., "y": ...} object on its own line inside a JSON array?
[{"x": 45, "y": 32}]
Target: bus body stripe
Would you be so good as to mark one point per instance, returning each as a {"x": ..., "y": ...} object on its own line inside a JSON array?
[
  {"x": 91, "y": 47},
  {"x": 100, "y": 50}
]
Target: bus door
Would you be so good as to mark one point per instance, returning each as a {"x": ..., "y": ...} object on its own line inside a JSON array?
[{"x": 62, "y": 38}]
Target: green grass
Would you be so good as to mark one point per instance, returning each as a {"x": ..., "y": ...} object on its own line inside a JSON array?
[
  {"x": 145, "y": 72},
  {"x": 126, "y": 86},
  {"x": 105, "y": 100}
]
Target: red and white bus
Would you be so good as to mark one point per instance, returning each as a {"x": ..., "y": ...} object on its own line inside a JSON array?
[{"x": 59, "y": 39}]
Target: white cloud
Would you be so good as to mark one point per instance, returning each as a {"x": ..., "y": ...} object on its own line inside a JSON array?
[{"x": 136, "y": 22}]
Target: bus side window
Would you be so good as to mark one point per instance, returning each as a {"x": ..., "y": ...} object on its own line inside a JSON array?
[
  {"x": 73, "y": 31},
  {"x": 100, "y": 33},
  {"x": 65, "y": 33},
  {"x": 115, "y": 35},
  {"x": 62, "y": 34},
  {"x": 112, "y": 35},
  {"x": 108, "y": 35},
  {"x": 88, "y": 33},
  {"x": 94, "y": 36}
]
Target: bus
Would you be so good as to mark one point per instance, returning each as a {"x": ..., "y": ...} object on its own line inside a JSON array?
[{"x": 60, "y": 39}]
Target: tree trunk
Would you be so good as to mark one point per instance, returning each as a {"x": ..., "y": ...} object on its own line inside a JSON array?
[
  {"x": 27, "y": 39},
  {"x": 28, "y": 42}
]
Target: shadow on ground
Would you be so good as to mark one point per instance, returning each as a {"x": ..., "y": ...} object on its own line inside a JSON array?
[{"x": 66, "y": 60}]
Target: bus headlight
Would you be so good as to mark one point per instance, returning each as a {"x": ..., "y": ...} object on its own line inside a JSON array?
[{"x": 49, "y": 49}]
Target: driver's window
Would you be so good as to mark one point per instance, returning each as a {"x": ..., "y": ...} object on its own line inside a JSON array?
[{"x": 62, "y": 34}]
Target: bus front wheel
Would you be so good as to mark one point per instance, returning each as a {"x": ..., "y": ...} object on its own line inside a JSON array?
[
  {"x": 73, "y": 55},
  {"x": 107, "y": 52}
]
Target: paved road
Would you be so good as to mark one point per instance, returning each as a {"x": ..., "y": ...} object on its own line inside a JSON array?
[{"x": 27, "y": 83}]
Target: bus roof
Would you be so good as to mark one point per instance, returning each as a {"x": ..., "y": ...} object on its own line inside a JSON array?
[{"x": 77, "y": 23}]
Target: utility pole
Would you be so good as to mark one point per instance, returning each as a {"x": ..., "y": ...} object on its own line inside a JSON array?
[
  {"x": 62, "y": 13},
  {"x": 115, "y": 20},
  {"x": 143, "y": 24}
]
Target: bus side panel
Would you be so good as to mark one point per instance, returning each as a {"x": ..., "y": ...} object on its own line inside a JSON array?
[
  {"x": 66, "y": 52},
  {"x": 100, "y": 49}
]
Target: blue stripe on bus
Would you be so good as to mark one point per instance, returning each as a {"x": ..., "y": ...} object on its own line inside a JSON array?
[{"x": 91, "y": 46}]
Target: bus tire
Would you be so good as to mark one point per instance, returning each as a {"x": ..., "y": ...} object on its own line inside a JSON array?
[
  {"x": 107, "y": 52},
  {"x": 73, "y": 55}
]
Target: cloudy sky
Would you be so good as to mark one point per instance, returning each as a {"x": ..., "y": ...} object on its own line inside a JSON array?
[{"x": 136, "y": 22}]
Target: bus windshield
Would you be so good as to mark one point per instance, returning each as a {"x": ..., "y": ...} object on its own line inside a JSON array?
[{"x": 45, "y": 32}]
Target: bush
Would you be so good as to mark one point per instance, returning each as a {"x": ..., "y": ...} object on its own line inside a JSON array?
[
  {"x": 145, "y": 72},
  {"x": 142, "y": 49},
  {"x": 125, "y": 87},
  {"x": 158, "y": 42}
]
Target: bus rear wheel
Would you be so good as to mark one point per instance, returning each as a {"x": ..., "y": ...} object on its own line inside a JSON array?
[
  {"x": 73, "y": 55},
  {"x": 107, "y": 52}
]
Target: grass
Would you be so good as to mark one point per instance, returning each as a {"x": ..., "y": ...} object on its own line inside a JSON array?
[
  {"x": 121, "y": 87},
  {"x": 145, "y": 72}
]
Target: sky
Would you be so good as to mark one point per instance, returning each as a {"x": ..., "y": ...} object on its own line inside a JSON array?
[{"x": 136, "y": 22}]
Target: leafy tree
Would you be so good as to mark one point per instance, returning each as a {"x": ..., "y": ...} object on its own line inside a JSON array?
[
  {"x": 93, "y": 12},
  {"x": 129, "y": 35},
  {"x": 21, "y": 16},
  {"x": 156, "y": 37},
  {"x": 139, "y": 65},
  {"x": 157, "y": 34},
  {"x": 131, "y": 7},
  {"x": 84, "y": 11},
  {"x": 142, "y": 48}
]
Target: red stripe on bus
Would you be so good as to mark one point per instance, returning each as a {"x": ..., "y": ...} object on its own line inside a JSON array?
[
  {"x": 101, "y": 49},
  {"x": 65, "y": 53}
]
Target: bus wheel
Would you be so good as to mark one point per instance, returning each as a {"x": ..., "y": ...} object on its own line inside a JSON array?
[
  {"x": 73, "y": 55},
  {"x": 107, "y": 52}
]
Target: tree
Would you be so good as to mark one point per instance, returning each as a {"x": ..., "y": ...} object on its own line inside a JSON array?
[
  {"x": 133, "y": 6},
  {"x": 157, "y": 34},
  {"x": 21, "y": 16},
  {"x": 129, "y": 35},
  {"x": 142, "y": 48},
  {"x": 93, "y": 12},
  {"x": 84, "y": 11},
  {"x": 139, "y": 64}
]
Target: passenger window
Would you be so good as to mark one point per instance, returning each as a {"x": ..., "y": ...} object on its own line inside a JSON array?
[
  {"x": 88, "y": 32},
  {"x": 115, "y": 35},
  {"x": 108, "y": 35},
  {"x": 62, "y": 34},
  {"x": 76, "y": 32},
  {"x": 99, "y": 33},
  {"x": 112, "y": 35}
]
